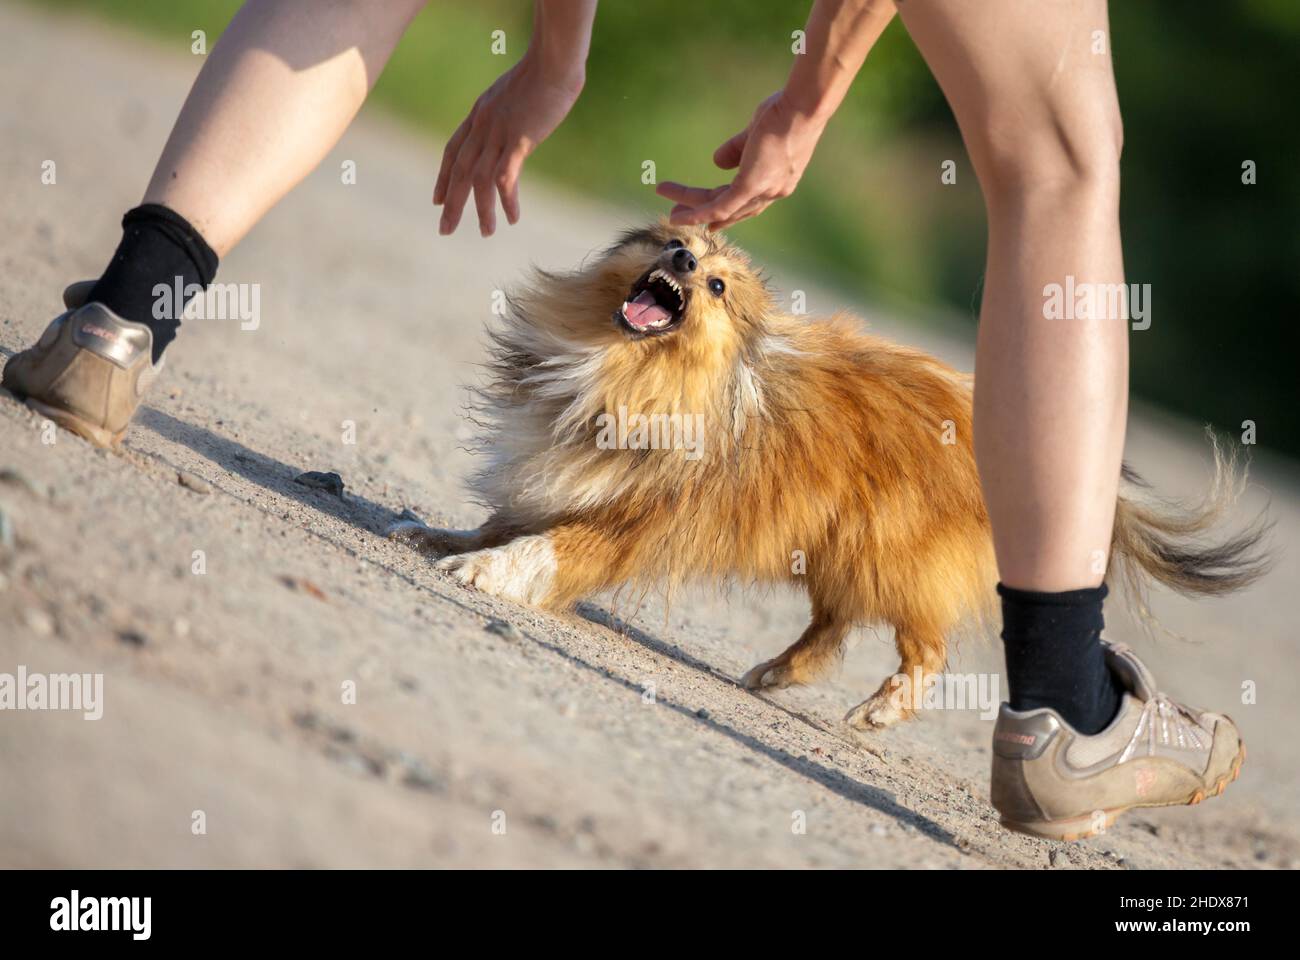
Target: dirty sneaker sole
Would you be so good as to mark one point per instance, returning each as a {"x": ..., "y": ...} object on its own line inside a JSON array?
[
  {"x": 1082, "y": 827},
  {"x": 69, "y": 421}
]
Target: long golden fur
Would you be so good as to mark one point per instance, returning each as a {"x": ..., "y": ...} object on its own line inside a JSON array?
[{"x": 830, "y": 459}]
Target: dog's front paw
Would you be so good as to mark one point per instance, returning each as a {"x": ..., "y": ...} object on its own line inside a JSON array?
[
  {"x": 431, "y": 541},
  {"x": 882, "y": 710},
  {"x": 414, "y": 534},
  {"x": 522, "y": 570},
  {"x": 768, "y": 675}
]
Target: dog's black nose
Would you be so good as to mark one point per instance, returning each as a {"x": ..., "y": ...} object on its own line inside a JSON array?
[{"x": 683, "y": 260}]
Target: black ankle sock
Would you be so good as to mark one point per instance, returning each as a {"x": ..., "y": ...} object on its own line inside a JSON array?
[
  {"x": 1055, "y": 657},
  {"x": 158, "y": 246}
]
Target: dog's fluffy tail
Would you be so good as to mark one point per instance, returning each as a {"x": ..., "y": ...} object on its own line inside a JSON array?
[{"x": 1172, "y": 542}]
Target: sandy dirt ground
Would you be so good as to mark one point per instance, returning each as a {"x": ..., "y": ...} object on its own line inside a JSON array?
[{"x": 613, "y": 738}]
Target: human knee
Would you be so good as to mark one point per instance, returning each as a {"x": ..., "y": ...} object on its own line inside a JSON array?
[{"x": 1050, "y": 152}]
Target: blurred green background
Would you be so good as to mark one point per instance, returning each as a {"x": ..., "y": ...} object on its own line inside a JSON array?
[{"x": 1203, "y": 88}]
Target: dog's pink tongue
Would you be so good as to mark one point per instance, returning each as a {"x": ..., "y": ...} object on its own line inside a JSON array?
[{"x": 643, "y": 311}]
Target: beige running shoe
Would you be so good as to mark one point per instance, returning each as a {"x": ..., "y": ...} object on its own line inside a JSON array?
[
  {"x": 89, "y": 370},
  {"x": 1051, "y": 781}
]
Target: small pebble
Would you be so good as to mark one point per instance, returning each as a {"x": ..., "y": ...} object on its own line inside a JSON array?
[
  {"x": 191, "y": 482},
  {"x": 360, "y": 764},
  {"x": 13, "y": 478},
  {"x": 342, "y": 735},
  {"x": 6, "y": 531},
  {"x": 419, "y": 777},
  {"x": 132, "y": 638},
  {"x": 503, "y": 628},
  {"x": 39, "y": 622},
  {"x": 305, "y": 586},
  {"x": 329, "y": 482}
]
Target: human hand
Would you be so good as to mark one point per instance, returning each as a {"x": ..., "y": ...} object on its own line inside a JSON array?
[
  {"x": 771, "y": 154},
  {"x": 487, "y": 151}
]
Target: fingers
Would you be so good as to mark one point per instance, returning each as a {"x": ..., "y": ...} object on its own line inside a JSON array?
[
  {"x": 485, "y": 201},
  {"x": 475, "y": 161},
  {"x": 727, "y": 156},
  {"x": 459, "y": 183},
  {"x": 484, "y": 180},
  {"x": 682, "y": 210},
  {"x": 507, "y": 180},
  {"x": 753, "y": 210},
  {"x": 449, "y": 155},
  {"x": 687, "y": 196},
  {"x": 720, "y": 208}
]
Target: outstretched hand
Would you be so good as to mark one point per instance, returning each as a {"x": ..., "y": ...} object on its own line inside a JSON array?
[
  {"x": 487, "y": 151},
  {"x": 771, "y": 154}
]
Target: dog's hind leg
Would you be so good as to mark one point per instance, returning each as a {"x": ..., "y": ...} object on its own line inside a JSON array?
[
  {"x": 815, "y": 653},
  {"x": 923, "y": 652}
]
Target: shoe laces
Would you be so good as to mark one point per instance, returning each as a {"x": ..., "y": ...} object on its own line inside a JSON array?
[{"x": 1165, "y": 722}]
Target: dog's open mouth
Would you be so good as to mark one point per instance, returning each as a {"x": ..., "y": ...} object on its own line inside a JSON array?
[{"x": 655, "y": 304}]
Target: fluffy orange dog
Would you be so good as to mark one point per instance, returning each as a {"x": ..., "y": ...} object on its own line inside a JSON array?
[{"x": 654, "y": 418}]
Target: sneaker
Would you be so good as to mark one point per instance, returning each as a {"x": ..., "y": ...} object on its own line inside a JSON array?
[
  {"x": 89, "y": 370},
  {"x": 1051, "y": 781}
]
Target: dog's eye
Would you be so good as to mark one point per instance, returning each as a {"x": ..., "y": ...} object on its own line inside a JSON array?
[
  {"x": 673, "y": 244},
  {"x": 716, "y": 286}
]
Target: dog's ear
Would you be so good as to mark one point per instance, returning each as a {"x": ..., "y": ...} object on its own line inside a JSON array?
[
  {"x": 634, "y": 236},
  {"x": 659, "y": 233}
]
